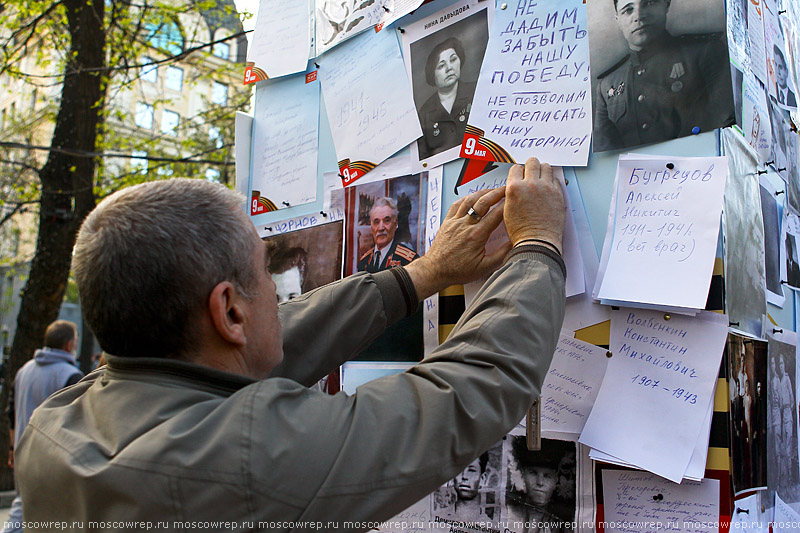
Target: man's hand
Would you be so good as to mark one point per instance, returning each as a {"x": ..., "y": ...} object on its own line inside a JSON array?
[
  {"x": 458, "y": 254},
  {"x": 534, "y": 207}
]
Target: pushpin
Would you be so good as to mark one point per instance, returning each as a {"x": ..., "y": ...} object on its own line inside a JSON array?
[
  {"x": 609, "y": 354},
  {"x": 503, "y": 5},
  {"x": 776, "y": 330},
  {"x": 696, "y": 130},
  {"x": 778, "y": 193},
  {"x": 670, "y": 165},
  {"x": 286, "y": 204},
  {"x": 667, "y": 316}
]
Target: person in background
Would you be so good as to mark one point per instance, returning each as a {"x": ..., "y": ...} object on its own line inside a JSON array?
[
  {"x": 288, "y": 268},
  {"x": 52, "y": 368}
]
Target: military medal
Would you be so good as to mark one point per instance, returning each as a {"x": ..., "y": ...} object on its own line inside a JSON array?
[
  {"x": 621, "y": 88},
  {"x": 677, "y": 86},
  {"x": 435, "y": 129},
  {"x": 611, "y": 92},
  {"x": 678, "y": 70}
]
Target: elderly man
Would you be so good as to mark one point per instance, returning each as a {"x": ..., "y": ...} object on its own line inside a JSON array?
[
  {"x": 201, "y": 418},
  {"x": 386, "y": 252},
  {"x": 444, "y": 115},
  {"x": 666, "y": 86}
]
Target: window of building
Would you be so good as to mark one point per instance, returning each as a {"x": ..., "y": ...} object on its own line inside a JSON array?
[
  {"x": 166, "y": 36},
  {"x": 219, "y": 93},
  {"x": 138, "y": 162},
  {"x": 212, "y": 174},
  {"x": 169, "y": 122},
  {"x": 173, "y": 78},
  {"x": 215, "y": 135},
  {"x": 144, "y": 115},
  {"x": 221, "y": 50},
  {"x": 149, "y": 70}
]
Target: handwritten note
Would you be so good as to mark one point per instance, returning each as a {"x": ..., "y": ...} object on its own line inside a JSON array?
[
  {"x": 332, "y": 211},
  {"x": 665, "y": 228},
  {"x": 285, "y": 144},
  {"x": 638, "y": 501},
  {"x": 369, "y": 102},
  {"x": 280, "y": 44},
  {"x": 535, "y": 100},
  {"x": 571, "y": 385},
  {"x": 657, "y": 389},
  {"x": 433, "y": 219}
]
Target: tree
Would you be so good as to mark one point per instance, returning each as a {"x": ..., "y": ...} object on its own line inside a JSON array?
[{"x": 103, "y": 43}]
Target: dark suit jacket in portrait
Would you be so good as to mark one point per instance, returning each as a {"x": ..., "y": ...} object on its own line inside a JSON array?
[{"x": 442, "y": 130}]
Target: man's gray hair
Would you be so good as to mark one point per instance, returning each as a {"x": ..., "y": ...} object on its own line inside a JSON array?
[
  {"x": 147, "y": 258},
  {"x": 385, "y": 201}
]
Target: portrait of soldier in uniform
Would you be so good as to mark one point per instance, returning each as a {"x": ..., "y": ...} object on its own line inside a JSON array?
[
  {"x": 540, "y": 487},
  {"x": 662, "y": 85},
  {"x": 387, "y": 251},
  {"x": 444, "y": 65},
  {"x": 386, "y": 230}
]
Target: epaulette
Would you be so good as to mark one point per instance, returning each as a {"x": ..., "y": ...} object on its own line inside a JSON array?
[
  {"x": 615, "y": 67},
  {"x": 701, "y": 37},
  {"x": 365, "y": 255},
  {"x": 404, "y": 252}
]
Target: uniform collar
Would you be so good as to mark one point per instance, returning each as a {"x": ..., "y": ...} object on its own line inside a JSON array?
[{"x": 667, "y": 41}]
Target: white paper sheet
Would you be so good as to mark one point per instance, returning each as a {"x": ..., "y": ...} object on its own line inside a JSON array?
[
  {"x": 697, "y": 465},
  {"x": 282, "y": 37},
  {"x": 285, "y": 144},
  {"x": 339, "y": 20},
  {"x": 747, "y": 517},
  {"x": 660, "y": 381},
  {"x": 368, "y": 101},
  {"x": 637, "y": 501},
  {"x": 786, "y": 519},
  {"x": 571, "y": 385},
  {"x": 665, "y": 228},
  {"x": 755, "y": 117},
  {"x": 535, "y": 100},
  {"x": 755, "y": 34},
  {"x": 433, "y": 219},
  {"x": 332, "y": 211},
  {"x": 243, "y": 138}
]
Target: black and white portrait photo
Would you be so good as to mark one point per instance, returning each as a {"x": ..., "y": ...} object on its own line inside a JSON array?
[
  {"x": 783, "y": 470},
  {"x": 747, "y": 384},
  {"x": 540, "y": 486},
  {"x": 444, "y": 60},
  {"x": 660, "y": 70},
  {"x": 784, "y": 153},
  {"x": 473, "y": 496},
  {"x": 792, "y": 261},
  {"x": 385, "y": 221},
  {"x": 303, "y": 260}
]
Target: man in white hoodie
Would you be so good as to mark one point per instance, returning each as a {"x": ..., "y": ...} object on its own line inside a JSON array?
[{"x": 52, "y": 368}]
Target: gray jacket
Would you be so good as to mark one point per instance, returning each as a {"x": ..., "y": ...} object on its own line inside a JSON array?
[{"x": 154, "y": 440}]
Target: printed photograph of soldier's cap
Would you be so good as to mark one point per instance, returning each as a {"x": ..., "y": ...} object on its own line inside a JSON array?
[
  {"x": 445, "y": 62},
  {"x": 473, "y": 496},
  {"x": 541, "y": 486},
  {"x": 660, "y": 70},
  {"x": 300, "y": 261},
  {"x": 386, "y": 228}
]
